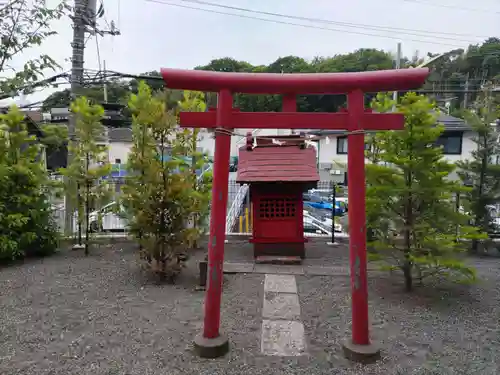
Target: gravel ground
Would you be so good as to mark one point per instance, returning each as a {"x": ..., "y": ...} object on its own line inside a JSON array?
[
  {"x": 102, "y": 316},
  {"x": 445, "y": 329}
]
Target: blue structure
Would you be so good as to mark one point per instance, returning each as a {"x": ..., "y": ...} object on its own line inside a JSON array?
[
  {"x": 339, "y": 206},
  {"x": 120, "y": 170}
]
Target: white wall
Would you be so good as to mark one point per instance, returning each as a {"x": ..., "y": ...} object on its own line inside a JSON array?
[
  {"x": 119, "y": 150},
  {"x": 207, "y": 142},
  {"x": 328, "y": 154}
]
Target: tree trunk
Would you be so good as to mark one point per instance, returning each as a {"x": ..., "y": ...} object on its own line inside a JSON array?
[
  {"x": 408, "y": 276},
  {"x": 474, "y": 247},
  {"x": 194, "y": 145},
  {"x": 479, "y": 219},
  {"x": 140, "y": 234},
  {"x": 87, "y": 205},
  {"x": 408, "y": 221}
]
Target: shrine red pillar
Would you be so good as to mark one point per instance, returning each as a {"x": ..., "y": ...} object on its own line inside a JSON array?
[
  {"x": 211, "y": 343},
  {"x": 289, "y": 105},
  {"x": 357, "y": 232}
]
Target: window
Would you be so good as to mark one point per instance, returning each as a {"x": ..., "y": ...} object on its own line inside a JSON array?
[
  {"x": 118, "y": 161},
  {"x": 451, "y": 142},
  {"x": 342, "y": 145}
]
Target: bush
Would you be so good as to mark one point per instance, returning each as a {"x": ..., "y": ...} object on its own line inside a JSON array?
[
  {"x": 26, "y": 224},
  {"x": 159, "y": 194},
  {"x": 411, "y": 216}
]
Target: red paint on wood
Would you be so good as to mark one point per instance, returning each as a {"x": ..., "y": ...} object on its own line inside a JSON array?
[
  {"x": 278, "y": 163},
  {"x": 295, "y": 83},
  {"x": 357, "y": 219},
  {"x": 292, "y": 120},
  {"x": 289, "y": 103},
  {"x": 268, "y": 120},
  {"x": 218, "y": 219}
]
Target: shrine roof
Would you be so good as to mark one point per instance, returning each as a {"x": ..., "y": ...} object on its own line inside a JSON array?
[{"x": 269, "y": 162}]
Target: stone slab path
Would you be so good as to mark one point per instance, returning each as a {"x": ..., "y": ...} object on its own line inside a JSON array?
[
  {"x": 282, "y": 330},
  {"x": 311, "y": 270}
]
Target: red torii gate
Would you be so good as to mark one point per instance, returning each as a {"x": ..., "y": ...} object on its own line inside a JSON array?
[{"x": 211, "y": 343}]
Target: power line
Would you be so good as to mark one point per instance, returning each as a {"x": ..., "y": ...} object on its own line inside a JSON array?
[
  {"x": 98, "y": 51},
  {"x": 455, "y": 7},
  {"x": 305, "y": 26},
  {"x": 331, "y": 22}
]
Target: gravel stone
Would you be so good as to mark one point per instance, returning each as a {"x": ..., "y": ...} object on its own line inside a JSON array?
[{"x": 101, "y": 315}]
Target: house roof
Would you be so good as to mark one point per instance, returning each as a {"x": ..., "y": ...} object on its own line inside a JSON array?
[
  {"x": 31, "y": 124},
  {"x": 268, "y": 162},
  {"x": 453, "y": 123},
  {"x": 450, "y": 123},
  {"x": 120, "y": 134}
]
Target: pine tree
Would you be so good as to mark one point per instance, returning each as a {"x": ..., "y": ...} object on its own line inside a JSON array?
[
  {"x": 89, "y": 165},
  {"x": 411, "y": 193},
  {"x": 482, "y": 171},
  {"x": 26, "y": 223},
  {"x": 159, "y": 193},
  {"x": 193, "y": 101}
]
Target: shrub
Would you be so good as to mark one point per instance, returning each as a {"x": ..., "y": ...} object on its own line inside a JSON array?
[{"x": 26, "y": 224}]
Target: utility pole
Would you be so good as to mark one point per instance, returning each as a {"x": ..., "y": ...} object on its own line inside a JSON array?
[
  {"x": 84, "y": 16},
  {"x": 78, "y": 45},
  {"x": 398, "y": 66},
  {"x": 104, "y": 83},
  {"x": 466, "y": 88}
]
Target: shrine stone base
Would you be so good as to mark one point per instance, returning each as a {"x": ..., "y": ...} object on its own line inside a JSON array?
[
  {"x": 211, "y": 348},
  {"x": 290, "y": 249},
  {"x": 364, "y": 354}
]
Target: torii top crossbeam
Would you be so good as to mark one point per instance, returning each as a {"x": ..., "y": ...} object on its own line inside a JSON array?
[{"x": 294, "y": 83}]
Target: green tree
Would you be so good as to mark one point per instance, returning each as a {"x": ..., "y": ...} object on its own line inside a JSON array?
[
  {"x": 118, "y": 92},
  {"x": 159, "y": 194},
  {"x": 24, "y": 25},
  {"x": 89, "y": 164},
  {"x": 193, "y": 101},
  {"x": 410, "y": 189},
  {"x": 482, "y": 171},
  {"x": 26, "y": 223}
]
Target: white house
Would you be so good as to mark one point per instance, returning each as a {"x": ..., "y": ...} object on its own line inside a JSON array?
[
  {"x": 120, "y": 142},
  {"x": 332, "y": 147}
]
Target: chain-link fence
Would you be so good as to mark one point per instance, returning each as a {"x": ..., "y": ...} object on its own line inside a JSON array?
[
  {"x": 106, "y": 220},
  {"x": 318, "y": 207}
]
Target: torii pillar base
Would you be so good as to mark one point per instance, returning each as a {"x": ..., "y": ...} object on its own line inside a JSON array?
[
  {"x": 364, "y": 354},
  {"x": 211, "y": 348}
]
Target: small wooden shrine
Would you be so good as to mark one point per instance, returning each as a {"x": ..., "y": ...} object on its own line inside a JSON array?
[{"x": 278, "y": 170}]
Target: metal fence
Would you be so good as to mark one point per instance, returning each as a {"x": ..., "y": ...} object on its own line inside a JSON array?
[
  {"x": 104, "y": 221},
  {"x": 317, "y": 217}
]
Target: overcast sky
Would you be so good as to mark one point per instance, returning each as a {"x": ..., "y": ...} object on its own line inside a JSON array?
[{"x": 155, "y": 35}]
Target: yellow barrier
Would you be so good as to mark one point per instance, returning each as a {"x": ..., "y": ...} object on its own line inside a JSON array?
[
  {"x": 247, "y": 226},
  {"x": 248, "y": 220}
]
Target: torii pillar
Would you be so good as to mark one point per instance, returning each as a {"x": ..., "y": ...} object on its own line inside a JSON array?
[{"x": 356, "y": 120}]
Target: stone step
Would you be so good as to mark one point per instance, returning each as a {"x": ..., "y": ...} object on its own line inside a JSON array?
[{"x": 284, "y": 260}]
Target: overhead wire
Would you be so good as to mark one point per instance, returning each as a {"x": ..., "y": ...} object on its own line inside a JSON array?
[
  {"x": 451, "y": 6},
  {"x": 332, "y": 22},
  {"x": 321, "y": 27},
  {"x": 98, "y": 51}
]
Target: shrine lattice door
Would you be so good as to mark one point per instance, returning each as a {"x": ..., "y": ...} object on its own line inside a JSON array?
[{"x": 277, "y": 216}]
